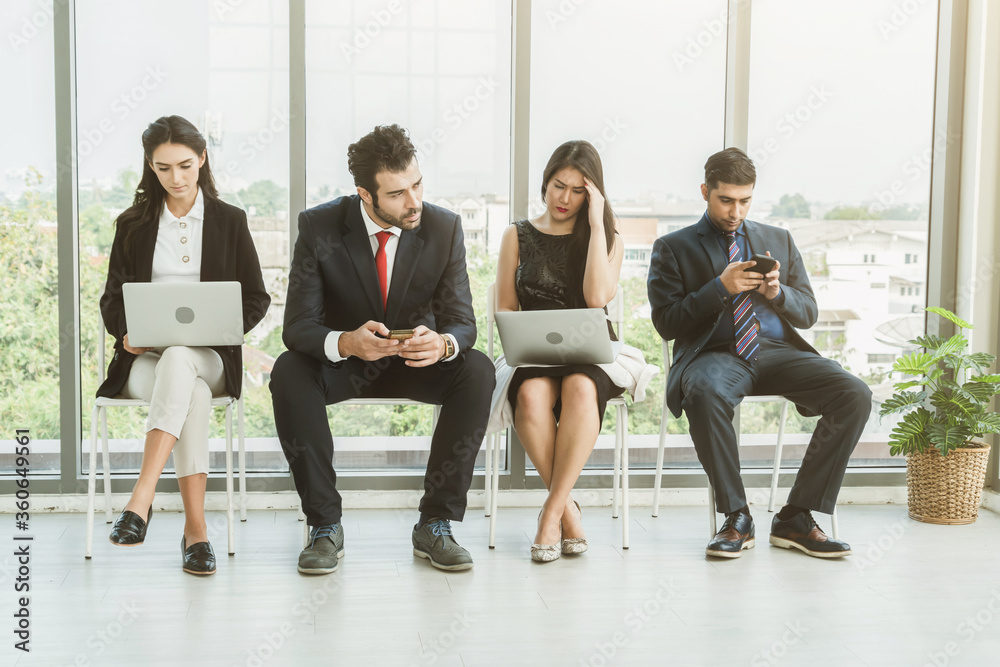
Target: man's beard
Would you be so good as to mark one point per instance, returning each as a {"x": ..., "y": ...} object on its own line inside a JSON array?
[{"x": 401, "y": 221}]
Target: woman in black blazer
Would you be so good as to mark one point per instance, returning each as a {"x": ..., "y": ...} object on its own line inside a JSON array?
[{"x": 177, "y": 230}]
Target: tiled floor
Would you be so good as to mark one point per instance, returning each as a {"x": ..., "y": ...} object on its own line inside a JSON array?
[{"x": 912, "y": 595}]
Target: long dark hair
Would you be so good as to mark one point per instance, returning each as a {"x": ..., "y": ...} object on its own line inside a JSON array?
[
  {"x": 149, "y": 194},
  {"x": 582, "y": 156}
]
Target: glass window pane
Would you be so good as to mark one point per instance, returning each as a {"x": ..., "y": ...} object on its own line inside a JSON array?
[
  {"x": 441, "y": 69},
  {"x": 29, "y": 325},
  {"x": 841, "y": 106},
  {"x": 224, "y": 67},
  {"x": 645, "y": 83}
]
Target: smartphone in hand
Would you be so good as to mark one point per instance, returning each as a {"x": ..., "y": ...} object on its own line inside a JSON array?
[{"x": 765, "y": 264}]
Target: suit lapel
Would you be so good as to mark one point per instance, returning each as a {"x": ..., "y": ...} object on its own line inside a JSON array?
[
  {"x": 211, "y": 244},
  {"x": 407, "y": 255},
  {"x": 710, "y": 242},
  {"x": 144, "y": 247},
  {"x": 359, "y": 249}
]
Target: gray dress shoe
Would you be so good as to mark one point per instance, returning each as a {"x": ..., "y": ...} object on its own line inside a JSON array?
[
  {"x": 434, "y": 541},
  {"x": 326, "y": 548}
]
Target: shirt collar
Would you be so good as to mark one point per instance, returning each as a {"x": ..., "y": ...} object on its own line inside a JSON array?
[
  {"x": 370, "y": 225},
  {"x": 197, "y": 212}
]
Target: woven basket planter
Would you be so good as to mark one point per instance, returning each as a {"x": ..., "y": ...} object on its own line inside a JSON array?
[{"x": 946, "y": 489}]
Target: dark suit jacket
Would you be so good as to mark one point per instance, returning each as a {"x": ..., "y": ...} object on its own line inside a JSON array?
[
  {"x": 227, "y": 253},
  {"x": 333, "y": 284},
  {"x": 686, "y": 307}
]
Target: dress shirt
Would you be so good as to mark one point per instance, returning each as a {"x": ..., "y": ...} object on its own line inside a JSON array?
[
  {"x": 771, "y": 325},
  {"x": 330, "y": 345},
  {"x": 177, "y": 255}
]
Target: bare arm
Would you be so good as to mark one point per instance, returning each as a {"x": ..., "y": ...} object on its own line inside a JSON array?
[
  {"x": 600, "y": 276},
  {"x": 506, "y": 268}
]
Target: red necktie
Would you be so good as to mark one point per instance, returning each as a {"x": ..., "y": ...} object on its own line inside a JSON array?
[{"x": 383, "y": 281}]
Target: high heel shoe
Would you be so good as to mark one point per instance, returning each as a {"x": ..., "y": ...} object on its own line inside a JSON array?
[
  {"x": 574, "y": 545},
  {"x": 546, "y": 553},
  {"x": 130, "y": 529}
]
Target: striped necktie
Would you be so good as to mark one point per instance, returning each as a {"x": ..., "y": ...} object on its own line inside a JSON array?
[{"x": 745, "y": 325}]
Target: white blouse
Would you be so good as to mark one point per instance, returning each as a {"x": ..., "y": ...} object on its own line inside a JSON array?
[{"x": 177, "y": 255}]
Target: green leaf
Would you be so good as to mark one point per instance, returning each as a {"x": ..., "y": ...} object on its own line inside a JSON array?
[
  {"x": 947, "y": 437},
  {"x": 979, "y": 391},
  {"x": 950, "y": 316},
  {"x": 986, "y": 378},
  {"x": 954, "y": 406},
  {"x": 902, "y": 401},
  {"x": 935, "y": 374},
  {"x": 981, "y": 359},
  {"x": 953, "y": 346},
  {"x": 910, "y": 434},
  {"x": 928, "y": 342},
  {"x": 986, "y": 424},
  {"x": 900, "y": 386},
  {"x": 915, "y": 363}
]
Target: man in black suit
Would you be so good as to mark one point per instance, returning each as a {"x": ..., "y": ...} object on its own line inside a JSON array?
[
  {"x": 364, "y": 265},
  {"x": 734, "y": 335}
]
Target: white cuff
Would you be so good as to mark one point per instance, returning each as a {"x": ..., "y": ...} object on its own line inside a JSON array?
[{"x": 330, "y": 346}]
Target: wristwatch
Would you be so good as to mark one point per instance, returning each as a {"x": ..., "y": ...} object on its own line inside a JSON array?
[{"x": 449, "y": 347}]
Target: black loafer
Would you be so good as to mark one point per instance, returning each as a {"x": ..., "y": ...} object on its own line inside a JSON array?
[
  {"x": 199, "y": 558},
  {"x": 736, "y": 535},
  {"x": 130, "y": 529},
  {"x": 801, "y": 532}
]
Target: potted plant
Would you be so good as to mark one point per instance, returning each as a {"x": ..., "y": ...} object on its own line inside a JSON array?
[{"x": 945, "y": 405}]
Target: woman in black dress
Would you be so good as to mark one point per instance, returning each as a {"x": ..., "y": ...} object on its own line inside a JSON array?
[{"x": 568, "y": 257}]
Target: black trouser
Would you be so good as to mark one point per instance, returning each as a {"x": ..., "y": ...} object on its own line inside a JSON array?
[
  {"x": 302, "y": 387},
  {"x": 716, "y": 381}
]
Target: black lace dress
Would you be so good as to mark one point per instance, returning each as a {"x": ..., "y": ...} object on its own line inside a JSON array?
[{"x": 541, "y": 284}]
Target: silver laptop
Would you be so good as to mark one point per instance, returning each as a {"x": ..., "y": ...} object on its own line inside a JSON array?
[
  {"x": 194, "y": 314},
  {"x": 556, "y": 337}
]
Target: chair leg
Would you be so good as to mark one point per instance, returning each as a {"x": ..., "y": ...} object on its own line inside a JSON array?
[
  {"x": 240, "y": 436},
  {"x": 658, "y": 477},
  {"x": 616, "y": 469},
  {"x": 495, "y": 483},
  {"x": 487, "y": 477},
  {"x": 711, "y": 511},
  {"x": 623, "y": 420},
  {"x": 777, "y": 455},
  {"x": 229, "y": 477},
  {"x": 106, "y": 460},
  {"x": 305, "y": 527},
  {"x": 835, "y": 529},
  {"x": 91, "y": 484}
]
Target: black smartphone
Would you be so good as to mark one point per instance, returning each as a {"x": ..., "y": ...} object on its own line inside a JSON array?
[{"x": 764, "y": 265}]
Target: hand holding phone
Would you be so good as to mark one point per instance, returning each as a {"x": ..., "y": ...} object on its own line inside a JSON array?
[{"x": 765, "y": 264}]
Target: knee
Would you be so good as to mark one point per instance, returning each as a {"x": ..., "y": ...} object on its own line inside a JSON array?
[
  {"x": 481, "y": 369},
  {"x": 175, "y": 358},
  {"x": 578, "y": 389},
  {"x": 291, "y": 370},
  {"x": 201, "y": 394},
  {"x": 535, "y": 395}
]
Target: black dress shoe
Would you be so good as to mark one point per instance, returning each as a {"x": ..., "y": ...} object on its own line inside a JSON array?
[
  {"x": 801, "y": 532},
  {"x": 736, "y": 535},
  {"x": 130, "y": 529},
  {"x": 199, "y": 558}
]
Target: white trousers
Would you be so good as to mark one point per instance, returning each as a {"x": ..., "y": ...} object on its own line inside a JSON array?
[{"x": 179, "y": 383}]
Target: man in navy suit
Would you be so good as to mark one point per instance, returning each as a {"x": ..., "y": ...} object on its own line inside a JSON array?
[
  {"x": 364, "y": 265},
  {"x": 734, "y": 335}
]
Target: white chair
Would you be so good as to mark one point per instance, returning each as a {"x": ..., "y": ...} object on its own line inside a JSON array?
[
  {"x": 101, "y": 405},
  {"x": 782, "y": 420},
  {"x": 616, "y": 312}
]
